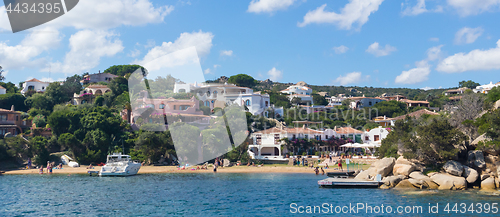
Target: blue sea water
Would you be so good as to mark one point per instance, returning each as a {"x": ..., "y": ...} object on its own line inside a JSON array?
[{"x": 217, "y": 195}]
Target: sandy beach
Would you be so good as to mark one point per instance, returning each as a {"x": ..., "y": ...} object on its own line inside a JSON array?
[{"x": 172, "y": 169}]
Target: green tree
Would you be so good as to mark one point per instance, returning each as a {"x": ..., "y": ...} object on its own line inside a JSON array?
[
  {"x": 13, "y": 99},
  {"x": 39, "y": 150},
  {"x": 319, "y": 100},
  {"x": 1, "y": 76},
  {"x": 242, "y": 80},
  {"x": 40, "y": 101},
  {"x": 122, "y": 70},
  {"x": 469, "y": 84},
  {"x": 390, "y": 109},
  {"x": 9, "y": 87},
  {"x": 39, "y": 121},
  {"x": 118, "y": 85},
  {"x": 57, "y": 93},
  {"x": 493, "y": 95},
  {"x": 72, "y": 85}
]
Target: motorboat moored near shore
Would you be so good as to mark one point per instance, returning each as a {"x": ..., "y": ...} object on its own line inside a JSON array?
[{"x": 118, "y": 164}]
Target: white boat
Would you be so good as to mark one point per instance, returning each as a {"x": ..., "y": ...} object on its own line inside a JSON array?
[{"x": 118, "y": 164}]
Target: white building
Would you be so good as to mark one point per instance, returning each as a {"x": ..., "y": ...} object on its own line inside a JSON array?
[
  {"x": 89, "y": 93},
  {"x": 34, "y": 85},
  {"x": 485, "y": 88},
  {"x": 300, "y": 90},
  {"x": 266, "y": 144},
  {"x": 376, "y": 135},
  {"x": 220, "y": 95},
  {"x": 336, "y": 100},
  {"x": 3, "y": 90}
]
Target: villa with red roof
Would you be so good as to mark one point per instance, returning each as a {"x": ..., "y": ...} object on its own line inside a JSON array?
[
  {"x": 300, "y": 90},
  {"x": 34, "y": 85}
]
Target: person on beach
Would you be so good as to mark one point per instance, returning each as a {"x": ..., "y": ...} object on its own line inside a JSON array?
[
  {"x": 322, "y": 171},
  {"x": 29, "y": 163},
  {"x": 330, "y": 158},
  {"x": 340, "y": 164},
  {"x": 215, "y": 168},
  {"x": 326, "y": 167},
  {"x": 40, "y": 171},
  {"x": 316, "y": 171},
  {"x": 49, "y": 168}
]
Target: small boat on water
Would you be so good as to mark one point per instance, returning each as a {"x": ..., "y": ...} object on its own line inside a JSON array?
[
  {"x": 347, "y": 183},
  {"x": 119, "y": 164}
]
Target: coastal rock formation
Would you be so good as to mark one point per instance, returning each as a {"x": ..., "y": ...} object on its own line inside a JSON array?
[
  {"x": 453, "y": 168},
  {"x": 488, "y": 183},
  {"x": 405, "y": 184},
  {"x": 470, "y": 174},
  {"x": 364, "y": 175},
  {"x": 392, "y": 181},
  {"x": 449, "y": 182},
  {"x": 484, "y": 176},
  {"x": 403, "y": 169},
  {"x": 476, "y": 159},
  {"x": 383, "y": 167},
  {"x": 427, "y": 180}
]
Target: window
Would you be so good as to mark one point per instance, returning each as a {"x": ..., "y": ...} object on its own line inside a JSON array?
[
  {"x": 276, "y": 138},
  {"x": 17, "y": 117},
  {"x": 369, "y": 103},
  {"x": 326, "y": 136},
  {"x": 175, "y": 107},
  {"x": 293, "y": 137},
  {"x": 183, "y": 107},
  {"x": 3, "y": 117},
  {"x": 367, "y": 138},
  {"x": 207, "y": 103},
  {"x": 162, "y": 106},
  {"x": 267, "y": 103},
  {"x": 182, "y": 90},
  {"x": 215, "y": 93},
  {"x": 150, "y": 106},
  {"x": 376, "y": 138},
  {"x": 208, "y": 93},
  {"x": 247, "y": 102},
  {"x": 43, "y": 88},
  {"x": 258, "y": 139}
]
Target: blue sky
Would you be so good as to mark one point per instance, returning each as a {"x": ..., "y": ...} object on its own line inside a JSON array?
[{"x": 404, "y": 43}]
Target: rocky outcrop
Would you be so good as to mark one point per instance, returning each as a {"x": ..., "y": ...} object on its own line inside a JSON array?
[
  {"x": 449, "y": 182},
  {"x": 423, "y": 178},
  {"x": 403, "y": 169},
  {"x": 488, "y": 183},
  {"x": 484, "y": 176},
  {"x": 453, "y": 168},
  {"x": 470, "y": 174},
  {"x": 383, "y": 167},
  {"x": 364, "y": 175},
  {"x": 404, "y": 185},
  {"x": 392, "y": 181},
  {"x": 476, "y": 159}
]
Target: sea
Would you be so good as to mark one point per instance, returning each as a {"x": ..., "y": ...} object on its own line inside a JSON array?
[{"x": 223, "y": 194}]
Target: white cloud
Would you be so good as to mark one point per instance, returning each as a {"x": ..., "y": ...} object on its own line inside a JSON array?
[
  {"x": 274, "y": 74},
  {"x": 434, "y": 53},
  {"x": 350, "y": 78},
  {"x": 473, "y": 7},
  {"x": 415, "y": 75},
  {"x": 434, "y": 39},
  {"x": 378, "y": 51},
  {"x": 134, "y": 53},
  {"x": 207, "y": 71},
  {"x": 422, "y": 70},
  {"x": 98, "y": 14},
  {"x": 24, "y": 54},
  {"x": 426, "y": 88},
  {"x": 354, "y": 12},
  {"x": 268, "y": 6},
  {"x": 340, "y": 49},
  {"x": 472, "y": 61},
  {"x": 226, "y": 53},
  {"x": 202, "y": 41},
  {"x": 216, "y": 66},
  {"x": 419, "y": 8},
  {"x": 468, "y": 35},
  {"x": 87, "y": 47}
]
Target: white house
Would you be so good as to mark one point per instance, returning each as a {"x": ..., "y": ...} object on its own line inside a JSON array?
[
  {"x": 220, "y": 95},
  {"x": 485, "y": 88},
  {"x": 336, "y": 100},
  {"x": 362, "y": 102},
  {"x": 266, "y": 144},
  {"x": 34, "y": 85},
  {"x": 300, "y": 90},
  {"x": 88, "y": 94},
  {"x": 376, "y": 135},
  {"x": 3, "y": 90},
  {"x": 97, "y": 77}
]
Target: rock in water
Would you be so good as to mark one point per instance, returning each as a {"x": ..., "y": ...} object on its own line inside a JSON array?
[
  {"x": 405, "y": 184},
  {"x": 392, "y": 181},
  {"x": 470, "y": 174},
  {"x": 488, "y": 183},
  {"x": 476, "y": 158},
  {"x": 484, "y": 176},
  {"x": 428, "y": 181},
  {"x": 403, "y": 169},
  {"x": 448, "y": 182},
  {"x": 383, "y": 167},
  {"x": 364, "y": 175},
  {"x": 453, "y": 168}
]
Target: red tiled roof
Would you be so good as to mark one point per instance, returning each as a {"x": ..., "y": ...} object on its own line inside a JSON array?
[
  {"x": 348, "y": 130},
  {"x": 412, "y": 101},
  {"x": 33, "y": 80},
  {"x": 298, "y": 130},
  {"x": 271, "y": 131},
  {"x": 8, "y": 111},
  {"x": 2, "y": 87}
]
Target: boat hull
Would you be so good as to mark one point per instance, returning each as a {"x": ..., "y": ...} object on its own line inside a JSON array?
[{"x": 129, "y": 170}]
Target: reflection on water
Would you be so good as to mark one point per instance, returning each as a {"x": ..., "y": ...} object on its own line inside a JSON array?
[{"x": 201, "y": 194}]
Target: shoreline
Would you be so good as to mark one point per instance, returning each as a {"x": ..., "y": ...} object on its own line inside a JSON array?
[{"x": 174, "y": 169}]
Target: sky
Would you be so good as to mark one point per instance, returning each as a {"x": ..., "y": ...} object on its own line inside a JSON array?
[{"x": 381, "y": 43}]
